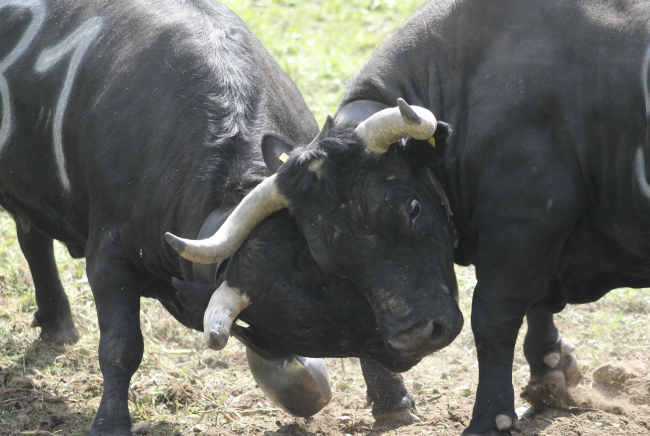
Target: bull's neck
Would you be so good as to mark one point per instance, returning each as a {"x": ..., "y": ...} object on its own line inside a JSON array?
[
  {"x": 409, "y": 65},
  {"x": 430, "y": 61}
]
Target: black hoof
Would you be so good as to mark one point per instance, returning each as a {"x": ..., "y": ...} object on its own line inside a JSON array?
[
  {"x": 404, "y": 417},
  {"x": 551, "y": 387},
  {"x": 63, "y": 333}
]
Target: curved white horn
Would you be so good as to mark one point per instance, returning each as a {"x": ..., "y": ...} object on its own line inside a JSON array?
[
  {"x": 261, "y": 202},
  {"x": 224, "y": 307},
  {"x": 388, "y": 126}
]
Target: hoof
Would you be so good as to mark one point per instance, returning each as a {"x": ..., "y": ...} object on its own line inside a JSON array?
[
  {"x": 571, "y": 370},
  {"x": 505, "y": 422},
  {"x": 59, "y": 332},
  {"x": 402, "y": 416},
  {"x": 552, "y": 359},
  {"x": 550, "y": 388},
  {"x": 62, "y": 336},
  {"x": 567, "y": 348}
]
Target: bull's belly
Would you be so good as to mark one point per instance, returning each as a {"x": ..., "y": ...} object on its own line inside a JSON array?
[
  {"x": 593, "y": 263},
  {"x": 62, "y": 220}
]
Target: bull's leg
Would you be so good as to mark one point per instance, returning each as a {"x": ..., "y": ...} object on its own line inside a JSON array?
[
  {"x": 387, "y": 392},
  {"x": 53, "y": 315},
  {"x": 495, "y": 342},
  {"x": 521, "y": 220},
  {"x": 117, "y": 297},
  {"x": 553, "y": 366}
]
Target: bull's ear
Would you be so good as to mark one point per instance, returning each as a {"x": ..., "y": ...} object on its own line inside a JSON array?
[
  {"x": 275, "y": 152},
  {"x": 194, "y": 298},
  {"x": 443, "y": 131}
]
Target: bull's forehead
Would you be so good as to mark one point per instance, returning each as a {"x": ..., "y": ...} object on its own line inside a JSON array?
[{"x": 381, "y": 190}]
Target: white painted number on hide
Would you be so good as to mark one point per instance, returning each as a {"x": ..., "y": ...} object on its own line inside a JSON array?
[
  {"x": 79, "y": 41},
  {"x": 38, "y": 9}
]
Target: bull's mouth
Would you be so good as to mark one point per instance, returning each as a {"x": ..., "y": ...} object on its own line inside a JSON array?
[{"x": 271, "y": 351}]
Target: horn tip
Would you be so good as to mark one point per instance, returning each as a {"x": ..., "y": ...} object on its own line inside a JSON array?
[
  {"x": 409, "y": 115},
  {"x": 217, "y": 340},
  {"x": 177, "y": 243}
]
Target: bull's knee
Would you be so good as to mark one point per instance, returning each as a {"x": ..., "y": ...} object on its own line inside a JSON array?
[{"x": 121, "y": 355}]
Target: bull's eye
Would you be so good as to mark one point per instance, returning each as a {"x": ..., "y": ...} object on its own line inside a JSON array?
[{"x": 415, "y": 210}]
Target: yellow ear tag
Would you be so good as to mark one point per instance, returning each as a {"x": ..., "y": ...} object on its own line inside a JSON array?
[
  {"x": 432, "y": 141},
  {"x": 284, "y": 157}
]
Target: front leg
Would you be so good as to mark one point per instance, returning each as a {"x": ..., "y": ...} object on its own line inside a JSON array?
[
  {"x": 388, "y": 394},
  {"x": 495, "y": 331},
  {"x": 553, "y": 366},
  {"x": 117, "y": 296},
  {"x": 528, "y": 198},
  {"x": 53, "y": 315}
]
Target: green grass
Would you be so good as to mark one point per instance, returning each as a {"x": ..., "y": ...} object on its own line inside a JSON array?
[{"x": 322, "y": 43}]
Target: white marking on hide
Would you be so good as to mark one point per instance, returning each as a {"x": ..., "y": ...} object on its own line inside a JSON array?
[
  {"x": 38, "y": 9},
  {"x": 79, "y": 41},
  {"x": 549, "y": 204},
  {"x": 639, "y": 157},
  {"x": 639, "y": 171}
]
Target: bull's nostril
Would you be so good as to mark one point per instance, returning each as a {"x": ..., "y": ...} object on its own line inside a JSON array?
[
  {"x": 438, "y": 332},
  {"x": 413, "y": 339}
]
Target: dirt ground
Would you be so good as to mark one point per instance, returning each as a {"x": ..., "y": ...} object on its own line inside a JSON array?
[{"x": 184, "y": 389}]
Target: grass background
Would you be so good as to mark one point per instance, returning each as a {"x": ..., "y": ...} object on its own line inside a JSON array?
[
  {"x": 321, "y": 44},
  {"x": 181, "y": 385}
]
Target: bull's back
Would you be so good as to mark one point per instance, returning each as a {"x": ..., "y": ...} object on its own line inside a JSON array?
[
  {"x": 110, "y": 107},
  {"x": 574, "y": 74}
]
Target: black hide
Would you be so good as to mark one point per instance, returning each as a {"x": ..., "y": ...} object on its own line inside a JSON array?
[{"x": 546, "y": 174}]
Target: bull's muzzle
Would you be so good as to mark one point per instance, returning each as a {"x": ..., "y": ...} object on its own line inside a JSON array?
[{"x": 426, "y": 337}]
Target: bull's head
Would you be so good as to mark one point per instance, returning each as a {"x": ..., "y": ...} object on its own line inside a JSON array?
[{"x": 371, "y": 209}]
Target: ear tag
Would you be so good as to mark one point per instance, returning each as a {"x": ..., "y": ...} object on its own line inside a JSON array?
[
  {"x": 432, "y": 141},
  {"x": 284, "y": 157}
]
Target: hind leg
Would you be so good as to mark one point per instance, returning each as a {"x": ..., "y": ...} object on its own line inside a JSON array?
[
  {"x": 53, "y": 315},
  {"x": 553, "y": 366},
  {"x": 387, "y": 392}
]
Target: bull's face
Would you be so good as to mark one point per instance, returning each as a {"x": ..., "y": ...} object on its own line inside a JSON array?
[
  {"x": 305, "y": 312},
  {"x": 332, "y": 320},
  {"x": 371, "y": 210},
  {"x": 378, "y": 219}
]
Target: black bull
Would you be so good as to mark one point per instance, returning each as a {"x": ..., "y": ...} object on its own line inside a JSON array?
[
  {"x": 546, "y": 175},
  {"x": 121, "y": 120}
]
